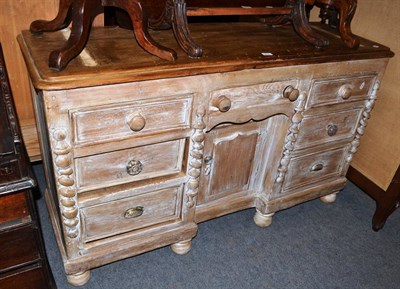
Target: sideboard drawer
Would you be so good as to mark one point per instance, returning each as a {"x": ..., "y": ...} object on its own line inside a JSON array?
[
  {"x": 128, "y": 165},
  {"x": 127, "y": 120},
  {"x": 240, "y": 104},
  {"x": 312, "y": 168},
  {"x": 19, "y": 247},
  {"x": 327, "y": 128},
  {"x": 132, "y": 213},
  {"x": 330, "y": 91}
]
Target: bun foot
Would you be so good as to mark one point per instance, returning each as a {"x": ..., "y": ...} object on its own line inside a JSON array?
[
  {"x": 79, "y": 279},
  {"x": 262, "y": 220},
  {"x": 182, "y": 248},
  {"x": 328, "y": 199}
]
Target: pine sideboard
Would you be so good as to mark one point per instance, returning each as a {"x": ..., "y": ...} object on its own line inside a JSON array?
[{"x": 138, "y": 150}]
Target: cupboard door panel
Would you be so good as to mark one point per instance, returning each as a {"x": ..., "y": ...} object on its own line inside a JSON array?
[
  {"x": 232, "y": 174},
  {"x": 228, "y": 162}
]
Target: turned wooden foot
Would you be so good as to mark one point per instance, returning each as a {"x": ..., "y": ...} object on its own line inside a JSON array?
[
  {"x": 79, "y": 279},
  {"x": 262, "y": 220},
  {"x": 182, "y": 248},
  {"x": 328, "y": 199}
]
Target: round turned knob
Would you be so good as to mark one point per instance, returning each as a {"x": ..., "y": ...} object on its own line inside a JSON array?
[
  {"x": 222, "y": 102},
  {"x": 345, "y": 91},
  {"x": 137, "y": 122},
  {"x": 291, "y": 93}
]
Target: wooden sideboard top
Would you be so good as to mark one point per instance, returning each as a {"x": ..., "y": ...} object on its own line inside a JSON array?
[{"x": 113, "y": 56}]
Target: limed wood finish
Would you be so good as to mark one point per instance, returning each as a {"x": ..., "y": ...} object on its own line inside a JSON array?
[
  {"x": 23, "y": 262},
  {"x": 268, "y": 122}
]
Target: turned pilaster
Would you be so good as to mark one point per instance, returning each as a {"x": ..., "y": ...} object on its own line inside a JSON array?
[
  {"x": 66, "y": 189},
  {"x": 290, "y": 142},
  {"x": 369, "y": 105}
]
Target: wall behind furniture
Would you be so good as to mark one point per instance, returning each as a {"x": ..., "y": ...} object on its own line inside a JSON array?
[
  {"x": 17, "y": 15},
  {"x": 378, "y": 156}
]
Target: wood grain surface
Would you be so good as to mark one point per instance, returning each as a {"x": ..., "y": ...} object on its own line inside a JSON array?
[{"x": 104, "y": 62}]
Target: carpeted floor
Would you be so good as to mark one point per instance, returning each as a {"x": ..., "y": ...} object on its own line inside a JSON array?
[{"x": 310, "y": 246}]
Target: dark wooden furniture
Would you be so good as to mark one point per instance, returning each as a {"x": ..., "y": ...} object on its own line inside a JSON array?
[
  {"x": 23, "y": 262},
  {"x": 339, "y": 13},
  {"x": 169, "y": 13},
  {"x": 386, "y": 201},
  {"x": 82, "y": 14},
  {"x": 176, "y": 14}
]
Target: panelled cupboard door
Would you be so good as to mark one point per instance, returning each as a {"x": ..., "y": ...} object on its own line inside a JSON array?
[{"x": 230, "y": 161}]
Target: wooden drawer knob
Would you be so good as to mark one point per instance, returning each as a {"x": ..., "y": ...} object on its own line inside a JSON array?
[
  {"x": 134, "y": 212},
  {"x": 332, "y": 129},
  {"x": 345, "y": 91},
  {"x": 222, "y": 102},
  {"x": 291, "y": 93},
  {"x": 137, "y": 122}
]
